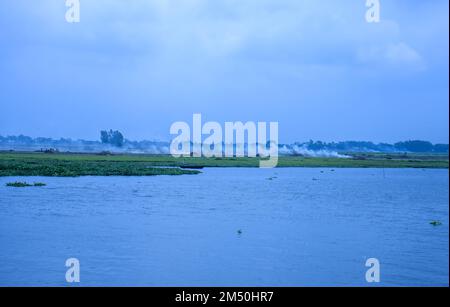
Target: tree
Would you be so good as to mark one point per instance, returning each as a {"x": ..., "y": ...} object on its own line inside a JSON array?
[
  {"x": 104, "y": 136},
  {"x": 111, "y": 137},
  {"x": 414, "y": 146},
  {"x": 441, "y": 148}
]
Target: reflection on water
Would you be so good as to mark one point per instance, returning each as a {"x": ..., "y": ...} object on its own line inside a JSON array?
[{"x": 229, "y": 227}]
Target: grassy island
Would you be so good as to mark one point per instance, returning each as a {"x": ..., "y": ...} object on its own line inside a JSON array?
[{"x": 76, "y": 164}]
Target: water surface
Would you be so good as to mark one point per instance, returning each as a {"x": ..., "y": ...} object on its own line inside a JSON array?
[{"x": 229, "y": 227}]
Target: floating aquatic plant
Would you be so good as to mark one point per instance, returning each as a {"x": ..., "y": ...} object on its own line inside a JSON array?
[
  {"x": 18, "y": 184},
  {"x": 436, "y": 223}
]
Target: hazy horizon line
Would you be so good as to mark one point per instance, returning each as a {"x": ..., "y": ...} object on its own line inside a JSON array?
[{"x": 281, "y": 143}]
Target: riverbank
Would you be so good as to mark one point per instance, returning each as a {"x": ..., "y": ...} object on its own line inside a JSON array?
[{"x": 77, "y": 164}]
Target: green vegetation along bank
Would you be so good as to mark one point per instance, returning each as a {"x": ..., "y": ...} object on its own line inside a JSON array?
[{"x": 73, "y": 165}]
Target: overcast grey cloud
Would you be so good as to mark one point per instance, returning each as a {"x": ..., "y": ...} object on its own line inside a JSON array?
[{"x": 317, "y": 67}]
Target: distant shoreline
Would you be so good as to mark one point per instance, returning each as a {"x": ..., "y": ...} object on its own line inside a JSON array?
[
  {"x": 126, "y": 146},
  {"x": 107, "y": 164}
]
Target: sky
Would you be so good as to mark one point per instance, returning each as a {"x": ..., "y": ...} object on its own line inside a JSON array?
[{"x": 318, "y": 68}]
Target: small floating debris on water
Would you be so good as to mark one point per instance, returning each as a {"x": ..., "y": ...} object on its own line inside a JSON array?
[
  {"x": 239, "y": 232},
  {"x": 272, "y": 178},
  {"x": 18, "y": 184},
  {"x": 315, "y": 179},
  {"x": 436, "y": 223},
  {"x": 332, "y": 170}
]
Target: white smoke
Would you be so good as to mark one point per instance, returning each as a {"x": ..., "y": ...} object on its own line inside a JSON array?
[
  {"x": 142, "y": 147},
  {"x": 296, "y": 150}
]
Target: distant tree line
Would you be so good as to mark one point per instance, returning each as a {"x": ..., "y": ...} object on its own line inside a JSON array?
[
  {"x": 116, "y": 139},
  {"x": 408, "y": 146}
]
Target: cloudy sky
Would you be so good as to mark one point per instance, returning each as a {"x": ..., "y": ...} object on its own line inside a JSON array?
[{"x": 316, "y": 67}]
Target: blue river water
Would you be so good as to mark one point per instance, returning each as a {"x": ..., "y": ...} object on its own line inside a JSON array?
[{"x": 229, "y": 227}]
